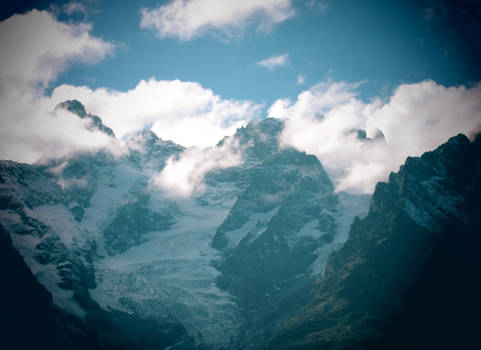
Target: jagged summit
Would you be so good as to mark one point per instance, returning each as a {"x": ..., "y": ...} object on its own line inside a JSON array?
[
  {"x": 149, "y": 151},
  {"x": 263, "y": 131},
  {"x": 145, "y": 135},
  {"x": 73, "y": 106},
  {"x": 259, "y": 139},
  {"x": 77, "y": 108}
]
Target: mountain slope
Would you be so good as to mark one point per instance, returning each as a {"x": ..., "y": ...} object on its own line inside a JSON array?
[{"x": 408, "y": 275}]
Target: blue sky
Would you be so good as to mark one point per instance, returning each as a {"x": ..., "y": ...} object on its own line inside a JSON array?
[{"x": 383, "y": 43}]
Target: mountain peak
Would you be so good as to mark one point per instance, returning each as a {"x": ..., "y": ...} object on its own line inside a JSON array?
[
  {"x": 261, "y": 137},
  {"x": 145, "y": 135},
  {"x": 269, "y": 127},
  {"x": 77, "y": 108},
  {"x": 73, "y": 106}
]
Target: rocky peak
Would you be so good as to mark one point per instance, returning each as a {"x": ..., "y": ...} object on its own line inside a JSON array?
[
  {"x": 144, "y": 137},
  {"x": 149, "y": 150},
  {"x": 77, "y": 108}
]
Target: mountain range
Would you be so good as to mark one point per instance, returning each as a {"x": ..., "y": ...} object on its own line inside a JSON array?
[{"x": 263, "y": 254}]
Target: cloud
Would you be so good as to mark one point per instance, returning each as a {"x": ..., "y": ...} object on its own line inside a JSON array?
[
  {"x": 34, "y": 48},
  {"x": 359, "y": 143},
  {"x": 274, "y": 62},
  {"x": 184, "y": 112},
  {"x": 30, "y": 132},
  {"x": 301, "y": 79},
  {"x": 183, "y": 177},
  {"x": 186, "y": 19},
  {"x": 74, "y": 7}
]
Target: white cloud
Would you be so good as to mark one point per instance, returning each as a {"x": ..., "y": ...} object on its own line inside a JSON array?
[
  {"x": 181, "y": 178},
  {"x": 274, "y": 62},
  {"x": 34, "y": 48},
  {"x": 74, "y": 7},
  {"x": 417, "y": 118},
  {"x": 301, "y": 79},
  {"x": 186, "y": 19},
  {"x": 184, "y": 112},
  {"x": 30, "y": 132}
]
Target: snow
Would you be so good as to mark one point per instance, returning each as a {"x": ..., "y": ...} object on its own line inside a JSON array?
[
  {"x": 60, "y": 220},
  {"x": 10, "y": 220},
  {"x": 47, "y": 274},
  {"x": 110, "y": 193},
  {"x": 172, "y": 273},
  {"x": 349, "y": 207},
  {"x": 254, "y": 227}
]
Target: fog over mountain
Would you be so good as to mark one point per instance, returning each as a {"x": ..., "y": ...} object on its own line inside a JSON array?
[{"x": 267, "y": 174}]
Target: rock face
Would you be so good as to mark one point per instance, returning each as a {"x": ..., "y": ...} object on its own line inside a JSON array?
[
  {"x": 407, "y": 278},
  {"x": 222, "y": 269}
]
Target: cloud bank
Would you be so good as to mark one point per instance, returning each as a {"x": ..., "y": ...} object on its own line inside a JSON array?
[
  {"x": 34, "y": 48},
  {"x": 184, "y": 112},
  {"x": 274, "y": 62},
  {"x": 360, "y": 143},
  {"x": 186, "y": 19}
]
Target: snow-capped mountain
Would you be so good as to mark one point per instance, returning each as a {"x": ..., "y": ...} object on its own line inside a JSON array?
[
  {"x": 222, "y": 268},
  {"x": 253, "y": 256}
]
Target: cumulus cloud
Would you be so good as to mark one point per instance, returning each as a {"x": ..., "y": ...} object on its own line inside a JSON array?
[
  {"x": 274, "y": 62},
  {"x": 184, "y": 112},
  {"x": 31, "y": 133},
  {"x": 183, "y": 177},
  {"x": 359, "y": 143},
  {"x": 34, "y": 48},
  {"x": 186, "y": 19}
]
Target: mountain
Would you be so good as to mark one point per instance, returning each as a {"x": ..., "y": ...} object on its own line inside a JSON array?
[
  {"x": 95, "y": 123},
  {"x": 279, "y": 232},
  {"x": 407, "y": 278},
  {"x": 222, "y": 268},
  {"x": 263, "y": 253}
]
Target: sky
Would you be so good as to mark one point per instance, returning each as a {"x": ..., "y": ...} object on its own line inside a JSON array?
[{"x": 195, "y": 70}]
